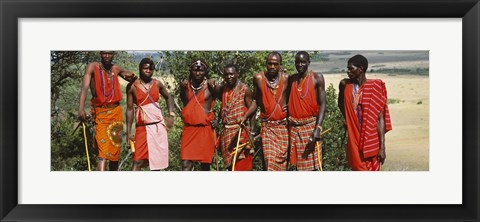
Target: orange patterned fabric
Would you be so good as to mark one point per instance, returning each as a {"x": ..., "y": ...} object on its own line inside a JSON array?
[{"x": 103, "y": 118}]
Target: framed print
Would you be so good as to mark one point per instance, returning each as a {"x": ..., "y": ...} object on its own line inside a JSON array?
[{"x": 447, "y": 190}]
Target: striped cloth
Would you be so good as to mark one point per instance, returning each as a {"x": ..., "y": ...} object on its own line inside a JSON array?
[
  {"x": 373, "y": 101},
  {"x": 300, "y": 133},
  {"x": 232, "y": 108},
  {"x": 370, "y": 99},
  {"x": 274, "y": 136}
]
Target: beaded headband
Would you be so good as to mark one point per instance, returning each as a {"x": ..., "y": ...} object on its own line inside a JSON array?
[{"x": 199, "y": 63}]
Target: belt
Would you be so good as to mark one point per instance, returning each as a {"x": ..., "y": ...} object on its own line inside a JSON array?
[
  {"x": 274, "y": 122},
  {"x": 301, "y": 121},
  {"x": 146, "y": 124},
  {"x": 110, "y": 105},
  {"x": 232, "y": 126}
]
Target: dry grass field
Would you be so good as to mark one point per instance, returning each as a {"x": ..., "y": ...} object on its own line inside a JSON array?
[{"x": 408, "y": 143}]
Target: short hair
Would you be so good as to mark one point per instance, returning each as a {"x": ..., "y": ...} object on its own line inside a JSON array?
[
  {"x": 146, "y": 61},
  {"x": 231, "y": 65},
  {"x": 303, "y": 53},
  {"x": 359, "y": 61},
  {"x": 276, "y": 54}
]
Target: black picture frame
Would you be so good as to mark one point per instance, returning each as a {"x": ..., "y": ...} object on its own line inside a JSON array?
[{"x": 11, "y": 11}]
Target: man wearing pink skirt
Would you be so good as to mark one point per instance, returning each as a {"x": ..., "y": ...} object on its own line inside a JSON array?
[{"x": 151, "y": 141}]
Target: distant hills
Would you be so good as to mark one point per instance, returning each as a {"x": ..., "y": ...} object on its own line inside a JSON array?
[{"x": 335, "y": 61}]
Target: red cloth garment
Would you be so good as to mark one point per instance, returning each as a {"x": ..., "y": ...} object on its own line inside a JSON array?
[
  {"x": 300, "y": 134},
  {"x": 151, "y": 140},
  {"x": 107, "y": 89},
  {"x": 274, "y": 132},
  {"x": 302, "y": 102},
  {"x": 272, "y": 100},
  {"x": 303, "y": 111},
  {"x": 233, "y": 106},
  {"x": 361, "y": 113},
  {"x": 197, "y": 143},
  {"x": 275, "y": 145}
]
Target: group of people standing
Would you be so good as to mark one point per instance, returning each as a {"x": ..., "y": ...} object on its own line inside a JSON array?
[{"x": 291, "y": 107}]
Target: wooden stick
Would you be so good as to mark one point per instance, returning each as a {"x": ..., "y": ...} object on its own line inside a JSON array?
[
  {"x": 236, "y": 148},
  {"x": 239, "y": 148},
  {"x": 86, "y": 146},
  {"x": 319, "y": 157},
  {"x": 326, "y": 131}
]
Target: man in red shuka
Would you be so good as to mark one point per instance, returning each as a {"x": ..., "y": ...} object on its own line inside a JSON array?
[
  {"x": 197, "y": 143},
  {"x": 306, "y": 106},
  {"x": 151, "y": 140},
  {"x": 363, "y": 103},
  {"x": 270, "y": 95},
  {"x": 102, "y": 79},
  {"x": 237, "y": 108}
]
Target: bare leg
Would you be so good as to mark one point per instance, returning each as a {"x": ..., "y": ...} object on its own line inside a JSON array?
[
  {"x": 113, "y": 166},
  {"x": 102, "y": 165},
  {"x": 187, "y": 165},
  {"x": 205, "y": 167},
  {"x": 137, "y": 165}
]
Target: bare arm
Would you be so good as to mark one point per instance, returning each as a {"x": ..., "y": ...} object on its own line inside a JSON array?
[
  {"x": 250, "y": 104},
  {"x": 341, "y": 98},
  {"x": 257, "y": 90},
  {"x": 126, "y": 75},
  {"x": 257, "y": 99},
  {"x": 163, "y": 91},
  {"x": 87, "y": 78},
  {"x": 321, "y": 98},
  {"x": 217, "y": 90},
  {"x": 130, "y": 110},
  {"x": 381, "y": 136},
  {"x": 183, "y": 92}
]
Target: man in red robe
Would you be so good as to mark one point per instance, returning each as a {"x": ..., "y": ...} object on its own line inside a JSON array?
[
  {"x": 151, "y": 140},
  {"x": 306, "y": 107},
  {"x": 237, "y": 107},
  {"x": 102, "y": 79},
  {"x": 197, "y": 94},
  {"x": 270, "y": 94},
  {"x": 363, "y": 103}
]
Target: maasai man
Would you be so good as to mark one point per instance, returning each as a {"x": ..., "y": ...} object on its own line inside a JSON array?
[
  {"x": 151, "y": 141},
  {"x": 270, "y": 95},
  {"x": 237, "y": 107},
  {"x": 363, "y": 103},
  {"x": 306, "y": 106},
  {"x": 102, "y": 79},
  {"x": 197, "y": 143}
]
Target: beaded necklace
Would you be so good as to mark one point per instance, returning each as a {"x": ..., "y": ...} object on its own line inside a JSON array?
[
  {"x": 299, "y": 86},
  {"x": 200, "y": 86},
  {"x": 103, "y": 83},
  {"x": 273, "y": 85},
  {"x": 356, "y": 99},
  {"x": 229, "y": 98}
]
